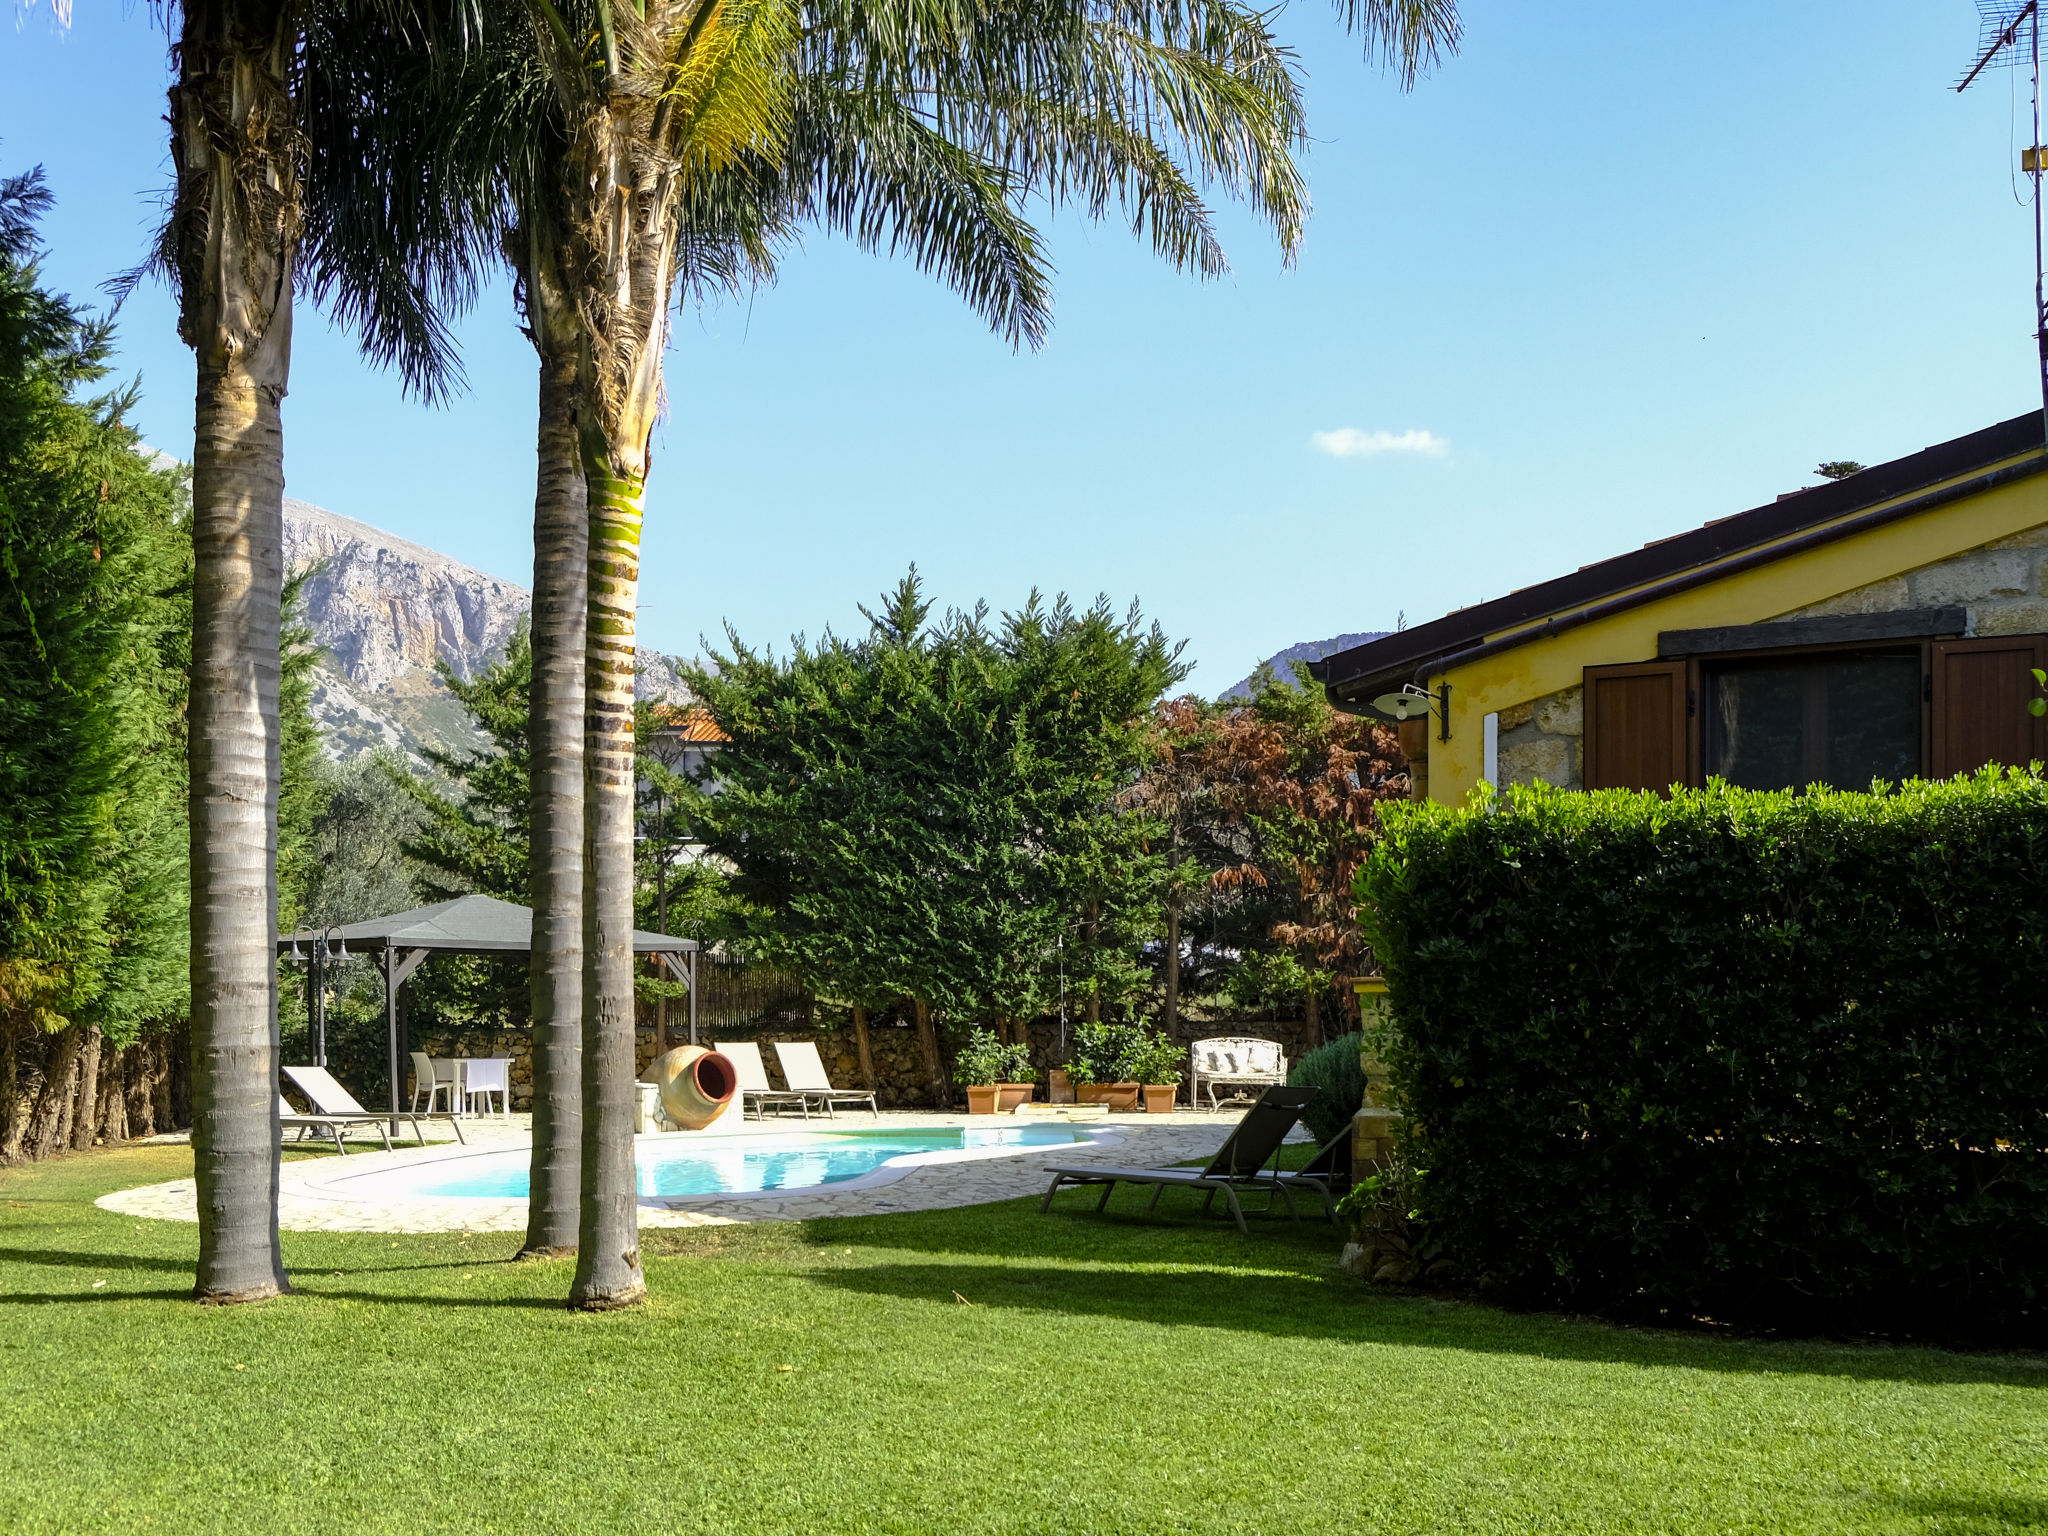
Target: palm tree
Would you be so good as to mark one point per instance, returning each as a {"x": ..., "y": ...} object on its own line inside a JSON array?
[
  {"x": 857, "y": 131},
  {"x": 243, "y": 126},
  {"x": 668, "y": 95},
  {"x": 233, "y": 246}
]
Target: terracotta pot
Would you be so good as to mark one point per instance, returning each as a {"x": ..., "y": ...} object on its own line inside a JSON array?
[
  {"x": 695, "y": 1084},
  {"x": 1010, "y": 1095},
  {"x": 1159, "y": 1098},
  {"x": 982, "y": 1100},
  {"x": 1121, "y": 1098}
]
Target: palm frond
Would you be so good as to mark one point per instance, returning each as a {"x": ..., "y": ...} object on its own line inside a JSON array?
[
  {"x": 1410, "y": 36},
  {"x": 728, "y": 86}
]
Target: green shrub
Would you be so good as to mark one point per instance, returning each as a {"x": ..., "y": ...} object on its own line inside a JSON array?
[
  {"x": 1107, "y": 1053},
  {"x": 984, "y": 1059},
  {"x": 1333, "y": 1068},
  {"x": 1764, "y": 1057},
  {"x": 1157, "y": 1060}
]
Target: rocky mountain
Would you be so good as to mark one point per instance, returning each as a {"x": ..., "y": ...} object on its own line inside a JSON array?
[
  {"x": 1282, "y": 663},
  {"x": 384, "y": 610}
]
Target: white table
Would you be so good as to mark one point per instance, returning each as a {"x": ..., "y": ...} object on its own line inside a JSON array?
[{"x": 483, "y": 1074}]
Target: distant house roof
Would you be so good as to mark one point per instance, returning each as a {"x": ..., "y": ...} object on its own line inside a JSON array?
[
  {"x": 468, "y": 924},
  {"x": 1704, "y": 554},
  {"x": 687, "y": 722}
]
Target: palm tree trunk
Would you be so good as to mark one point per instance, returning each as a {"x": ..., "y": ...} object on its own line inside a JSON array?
[
  {"x": 622, "y": 250},
  {"x": 608, "y": 1272},
  {"x": 555, "y": 744},
  {"x": 236, "y": 230}
]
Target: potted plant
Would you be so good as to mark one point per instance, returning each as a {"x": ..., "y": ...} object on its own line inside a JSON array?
[
  {"x": 996, "y": 1076},
  {"x": 1100, "y": 1065},
  {"x": 1157, "y": 1066}
]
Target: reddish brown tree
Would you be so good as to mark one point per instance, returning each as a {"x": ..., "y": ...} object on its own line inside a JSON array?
[{"x": 1285, "y": 791}]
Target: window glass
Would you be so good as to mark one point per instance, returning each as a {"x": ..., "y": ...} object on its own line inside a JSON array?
[{"x": 1843, "y": 718}]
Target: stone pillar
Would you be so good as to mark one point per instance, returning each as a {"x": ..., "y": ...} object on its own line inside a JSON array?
[{"x": 1373, "y": 1127}]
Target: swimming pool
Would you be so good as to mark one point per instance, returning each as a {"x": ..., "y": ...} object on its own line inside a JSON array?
[{"x": 674, "y": 1166}]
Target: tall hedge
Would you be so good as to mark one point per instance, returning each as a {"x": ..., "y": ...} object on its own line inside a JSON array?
[{"x": 1769, "y": 1058}]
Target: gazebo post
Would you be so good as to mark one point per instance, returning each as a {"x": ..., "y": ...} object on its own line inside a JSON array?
[
  {"x": 391, "y": 1025},
  {"x": 693, "y": 997},
  {"x": 316, "y": 1002}
]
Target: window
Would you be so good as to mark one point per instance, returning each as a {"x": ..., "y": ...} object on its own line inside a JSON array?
[
  {"x": 1840, "y": 718},
  {"x": 1786, "y": 717}
]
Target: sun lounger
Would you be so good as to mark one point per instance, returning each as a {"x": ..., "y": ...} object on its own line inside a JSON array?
[
  {"x": 754, "y": 1091},
  {"x": 1239, "y": 1164},
  {"x": 331, "y": 1099},
  {"x": 292, "y": 1120},
  {"x": 1328, "y": 1173},
  {"x": 804, "y": 1071}
]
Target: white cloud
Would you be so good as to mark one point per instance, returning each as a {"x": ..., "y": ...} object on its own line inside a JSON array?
[{"x": 1351, "y": 443}]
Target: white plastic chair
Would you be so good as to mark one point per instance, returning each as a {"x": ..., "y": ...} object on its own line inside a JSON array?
[
  {"x": 429, "y": 1078},
  {"x": 484, "y": 1076}
]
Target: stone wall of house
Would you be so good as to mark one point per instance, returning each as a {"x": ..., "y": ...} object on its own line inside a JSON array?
[
  {"x": 1542, "y": 741},
  {"x": 899, "y": 1065},
  {"x": 2003, "y": 586}
]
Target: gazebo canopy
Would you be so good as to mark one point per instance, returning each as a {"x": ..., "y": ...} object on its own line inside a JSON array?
[{"x": 468, "y": 925}]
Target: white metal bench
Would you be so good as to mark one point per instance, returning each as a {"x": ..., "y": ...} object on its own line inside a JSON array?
[{"x": 1234, "y": 1060}]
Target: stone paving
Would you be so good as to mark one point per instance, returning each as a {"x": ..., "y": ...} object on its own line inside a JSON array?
[{"x": 314, "y": 1195}]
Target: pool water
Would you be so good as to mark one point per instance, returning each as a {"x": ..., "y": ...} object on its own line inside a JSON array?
[{"x": 731, "y": 1165}]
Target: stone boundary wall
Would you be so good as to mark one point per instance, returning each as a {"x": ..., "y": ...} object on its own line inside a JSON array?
[{"x": 899, "y": 1065}]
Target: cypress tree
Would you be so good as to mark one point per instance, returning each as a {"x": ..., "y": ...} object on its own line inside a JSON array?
[{"x": 95, "y": 606}]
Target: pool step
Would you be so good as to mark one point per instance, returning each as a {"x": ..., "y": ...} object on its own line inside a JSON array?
[{"x": 1062, "y": 1111}]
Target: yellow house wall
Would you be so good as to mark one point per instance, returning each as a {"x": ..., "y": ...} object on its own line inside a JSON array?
[{"x": 1825, "y": 579}]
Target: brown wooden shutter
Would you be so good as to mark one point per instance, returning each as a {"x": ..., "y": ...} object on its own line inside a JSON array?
[
  {"x": 1637, "y": 726},
  {"x": 1980, "y": 715}
]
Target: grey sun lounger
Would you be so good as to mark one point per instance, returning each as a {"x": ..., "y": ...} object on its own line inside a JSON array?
[
  {"x": 1328, "y": 1173},
  {"x": 804, "y": 1071},
  {"x": 331, "y": 1125},
  {"x": 745, "y": 1056},
  {"x": 331, "y": 1101},
  {"x": 1239, "y": 1164}
]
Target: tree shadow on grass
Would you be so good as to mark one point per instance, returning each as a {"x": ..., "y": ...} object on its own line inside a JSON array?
[
  {"x": 183, "y": 1293},
  {"x": 1283, "y": 1282},
  {"x": 1954, "y": 1516},
  {"x": 62, "y": 1258}
]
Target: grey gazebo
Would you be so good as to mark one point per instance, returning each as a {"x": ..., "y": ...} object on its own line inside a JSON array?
[{"x": 468, "y": 925}]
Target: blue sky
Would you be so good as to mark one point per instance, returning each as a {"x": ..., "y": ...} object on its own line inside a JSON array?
[{"x": 1609, "y": 273}]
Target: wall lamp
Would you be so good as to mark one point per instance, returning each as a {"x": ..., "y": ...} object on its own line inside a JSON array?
[{"x": 1412, "y": 702}]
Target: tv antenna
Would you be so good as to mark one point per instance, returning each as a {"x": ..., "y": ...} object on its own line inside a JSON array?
[{"x": 2011, "y": 33}]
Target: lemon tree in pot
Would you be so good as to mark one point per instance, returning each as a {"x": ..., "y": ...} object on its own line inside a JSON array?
[
  {"x": 1100, "y": 1067},
  {"x": 996, "y": 1076},
  {"x": 1156, "y": 1064}
]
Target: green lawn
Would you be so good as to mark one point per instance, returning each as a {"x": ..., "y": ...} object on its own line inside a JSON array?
[{"x": 1106, "y": 1375}]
